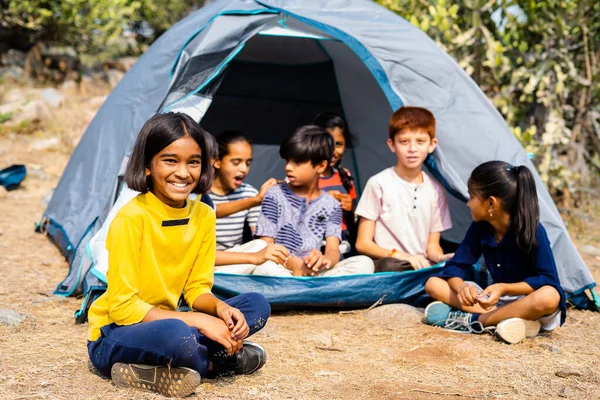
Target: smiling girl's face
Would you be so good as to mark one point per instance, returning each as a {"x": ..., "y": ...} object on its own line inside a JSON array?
[
  {"x": 175, "y": 171},
  {"x": 340, "y": 144},
  {"x": 233, "y": 168}
]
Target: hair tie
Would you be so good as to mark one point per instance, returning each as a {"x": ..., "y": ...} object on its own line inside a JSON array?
[{"x": 513, "y": 168}]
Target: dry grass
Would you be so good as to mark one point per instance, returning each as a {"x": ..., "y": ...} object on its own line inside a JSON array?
[{"x": 312, "y": 355}]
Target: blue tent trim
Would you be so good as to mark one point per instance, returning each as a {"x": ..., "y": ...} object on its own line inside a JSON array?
[
  {"x": 58, "y": 235},
  {"x": 60, "y": 289},
  {"x": 227, "y": 12},
  {"x": 216, "y": 73},
  {"x": 360, "y": 50}
]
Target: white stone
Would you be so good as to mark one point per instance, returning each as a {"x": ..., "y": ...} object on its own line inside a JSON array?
[
  {"x": 45, "y": 144},
  {"x": 52, "y": 97},
  {"x": 395, "y": 314},
  {"x": 11, "y": 317},
  {"x": 35, "y": 110}
]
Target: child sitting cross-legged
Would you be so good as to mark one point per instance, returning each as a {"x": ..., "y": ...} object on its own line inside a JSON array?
[
  {"x": 402, "y": 210},
  {"x": 237, "y": 205},
  {"x": 526, "y": 294},
  {"x": 161, "y": 244},
  {"x": 298, "y": 215}
]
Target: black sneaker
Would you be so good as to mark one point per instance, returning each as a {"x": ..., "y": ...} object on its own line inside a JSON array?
[
  {"x": 249, "y": 359},
  {"x": 170, "y": 382}
]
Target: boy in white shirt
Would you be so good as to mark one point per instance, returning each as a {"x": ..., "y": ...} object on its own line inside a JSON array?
[{"x": 403, "y": 210}]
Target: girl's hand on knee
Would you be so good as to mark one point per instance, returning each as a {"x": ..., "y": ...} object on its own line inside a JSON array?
[
  {"x": 467, "y": 295},
  {"x": 241, "y": 330},
  {"x": 235, "y": 321},
  {"x": 490, "y": 296},
  {"x": 216, "y": 330}
]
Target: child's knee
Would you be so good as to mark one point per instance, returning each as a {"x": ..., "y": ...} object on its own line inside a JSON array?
[
  {"x": 364, "y": 265},
  {"x": 547, "y": 300},
  {"x": 432, "y": 284},
  {"x": 260, "y": 303}
]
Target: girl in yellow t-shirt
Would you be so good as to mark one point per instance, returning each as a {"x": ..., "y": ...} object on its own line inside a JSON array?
[{"x": 161, "y": 244}]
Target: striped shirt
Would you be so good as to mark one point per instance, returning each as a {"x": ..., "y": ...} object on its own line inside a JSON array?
[
  {"x": 230, "y": 229},
  {"x": 297, "y": 225},
  {"x": 334, "y": 182}
]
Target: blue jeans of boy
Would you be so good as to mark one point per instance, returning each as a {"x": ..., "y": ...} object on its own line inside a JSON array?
[{"x": 169, "y": 341}]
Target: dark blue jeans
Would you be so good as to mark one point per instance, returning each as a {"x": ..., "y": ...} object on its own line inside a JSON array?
[{"x": 169, "y": 341}]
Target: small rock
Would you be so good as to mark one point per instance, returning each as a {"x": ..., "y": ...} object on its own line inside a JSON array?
[
  {"x": 69, "y": 87},
  {"x": 45, "y": 144},
  {"x": 52, "y": 97},
  {"x": 566, "y": 392},
  {"x": 35, "y": 110},
  {"x": 46, "y": 263},
  {"x": 323, "y": 340},
  {"x": 550, "y": 347},
  {"x": 11, "y": 317},
  {"x": 9, "y": 108},
  {"x": 567, "y": 372},
  {"x": 395, "y": 314},
  {"x": 591, "y": 250},
  {"x": 37, "y": 172},
  {"x": 12, "y": 73},
  {"x": 47, "y": 299}
]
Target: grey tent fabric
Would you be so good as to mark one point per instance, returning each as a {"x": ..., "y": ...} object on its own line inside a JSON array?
[{"x": 353, "y": 57}]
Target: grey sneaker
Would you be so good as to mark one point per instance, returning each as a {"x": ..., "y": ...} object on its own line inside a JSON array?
[
  {"x": 444, "y": 316},
  {"x": 514, "y": 330},
  {"x": 249, "y": 359},
  {"x": 170, "y": 382}
]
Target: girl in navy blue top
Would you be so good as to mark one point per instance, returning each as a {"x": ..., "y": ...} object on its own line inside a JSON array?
[{"x": 526, "y": 294}]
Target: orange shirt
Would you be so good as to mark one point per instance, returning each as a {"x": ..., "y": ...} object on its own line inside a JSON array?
[{"x": 334, "y": 182}]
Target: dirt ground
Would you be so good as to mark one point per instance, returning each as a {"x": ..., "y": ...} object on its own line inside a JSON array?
[{"x": 312, "y": 355}]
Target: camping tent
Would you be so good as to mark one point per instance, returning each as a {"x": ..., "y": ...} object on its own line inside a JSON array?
[{"x": 266, "y": 67}]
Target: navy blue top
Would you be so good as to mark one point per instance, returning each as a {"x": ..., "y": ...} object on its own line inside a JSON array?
[
  {"x": 205, "y": 198},
  {"x": 506, "y": 262}
]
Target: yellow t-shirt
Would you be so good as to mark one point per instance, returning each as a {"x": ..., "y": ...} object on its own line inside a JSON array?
[{"x": 154, "y": 253}]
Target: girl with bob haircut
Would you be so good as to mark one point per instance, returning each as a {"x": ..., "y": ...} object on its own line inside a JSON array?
[
  {"x": 526, "y": 294},
  {"x": 161, "y": 244}
]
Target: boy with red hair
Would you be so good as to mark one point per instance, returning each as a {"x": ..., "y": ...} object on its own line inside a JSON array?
[{"x": 403, "y": 210}]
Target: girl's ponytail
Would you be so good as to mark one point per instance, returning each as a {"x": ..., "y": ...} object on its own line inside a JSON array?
[
  {"x": 515, "y": 187},
  {"x": 347, "y": 180},
  {"x": 526, "y": 214}
]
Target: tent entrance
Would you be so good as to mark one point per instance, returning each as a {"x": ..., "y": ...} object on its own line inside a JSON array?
[{"x": 276, "y": 83}]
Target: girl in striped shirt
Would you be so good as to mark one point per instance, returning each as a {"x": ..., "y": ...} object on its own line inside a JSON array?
[{"x": 238, "y": 204}]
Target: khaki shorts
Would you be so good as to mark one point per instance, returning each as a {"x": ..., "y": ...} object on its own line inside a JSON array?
[{"x": 549, "y": 322}]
